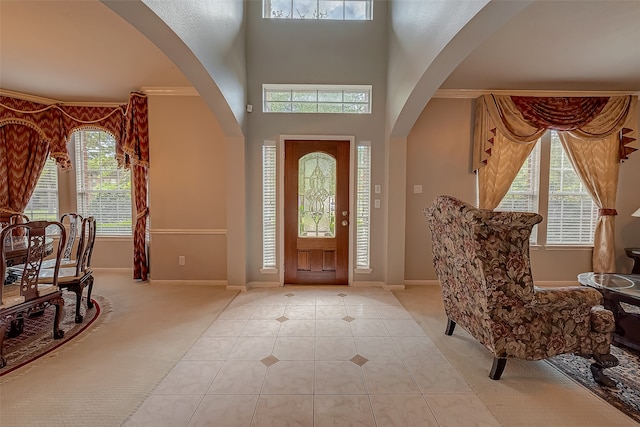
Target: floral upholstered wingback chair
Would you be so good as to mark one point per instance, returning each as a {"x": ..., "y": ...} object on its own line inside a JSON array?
[{"x": 481, "y": 258}]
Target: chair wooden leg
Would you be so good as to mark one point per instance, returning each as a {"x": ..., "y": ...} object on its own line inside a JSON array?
[
  {"x": 451, "y": 325},
  {"x": 78, "y": 293},
  {"x": 89, "y": 289},
  {"x": 59, "y": 303},
  {"x": 3, "y": 330},
  {"x": 497, "y": 368}
]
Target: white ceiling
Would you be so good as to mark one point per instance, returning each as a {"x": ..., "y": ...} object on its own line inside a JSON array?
[
  {"x": 559, "y": 45},
  {"x": 82, "y": 51},
  {"x": 77, "y": 51}
]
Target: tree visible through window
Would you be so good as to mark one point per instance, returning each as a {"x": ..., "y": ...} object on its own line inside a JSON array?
[
  {"x": 342, "y": 10},
  {"x": 341, "y": 99},
  {"x": 103, "y": 189}
]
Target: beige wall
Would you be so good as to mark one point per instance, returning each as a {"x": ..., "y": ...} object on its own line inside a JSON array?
[
  {"x": 439, "y": 159},
  {"x": 308, "y": 52},
  {"x": 187, "y": 190}
]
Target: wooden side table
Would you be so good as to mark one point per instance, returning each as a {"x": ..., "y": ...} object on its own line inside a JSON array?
[{"x": 634, "y": 253}]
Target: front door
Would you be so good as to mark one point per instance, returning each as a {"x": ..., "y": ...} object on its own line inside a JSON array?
[{"x": 316, "y": 212}]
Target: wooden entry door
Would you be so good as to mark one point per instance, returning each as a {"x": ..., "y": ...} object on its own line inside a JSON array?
[{"x": 316, "y": 212}]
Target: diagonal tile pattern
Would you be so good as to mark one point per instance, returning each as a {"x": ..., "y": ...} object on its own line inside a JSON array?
[{"x": 312, "y": 356}]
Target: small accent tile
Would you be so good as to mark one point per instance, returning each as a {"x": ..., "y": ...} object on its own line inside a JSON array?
[
  {"x": 282, "y": 319},
  {"x": 348, "y": 319},
  {"x": 270, "y": 360},
  {"x": 359, "y": 360}
]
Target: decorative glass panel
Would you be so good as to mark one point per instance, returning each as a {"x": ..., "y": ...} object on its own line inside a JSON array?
[{"x": 316, "y": 195}]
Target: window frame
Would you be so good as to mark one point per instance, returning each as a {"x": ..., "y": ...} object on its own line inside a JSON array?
[
  {"x": 294, "y": 101},
  {"x": 100, "y": 232},
  {"x": 50, "y": 216},
  {"x": 541, "y": 237},
  {"x": 269, "y": 13}
]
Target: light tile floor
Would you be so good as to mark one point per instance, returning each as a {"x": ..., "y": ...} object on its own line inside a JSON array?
[{"x": 313, "y": 356}]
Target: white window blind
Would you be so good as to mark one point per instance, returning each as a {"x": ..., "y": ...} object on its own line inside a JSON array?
[
  {"x": 572, "y": 214},
  {"x": 340, "y": 99},
  {"x": 44, "y": 200},
  {"x": 343, "y": 10},
  {"x": 569, "y": 211},
  {"x": 103, "y": 189},
  {"x": 269, "y": 156},
  {"x": 363, "y": 205}
]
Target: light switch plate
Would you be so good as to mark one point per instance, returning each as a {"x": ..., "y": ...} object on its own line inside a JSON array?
[{"x": 417, "y": 188}]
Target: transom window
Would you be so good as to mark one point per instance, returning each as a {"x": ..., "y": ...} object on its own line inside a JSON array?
[
  {"x": 347, "y": 99},
  {"x": 341, "y": 10}
]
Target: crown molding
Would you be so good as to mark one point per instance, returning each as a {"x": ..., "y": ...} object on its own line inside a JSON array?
[
  {"x": 170, "y": 91},
  {"x": 51, "y": 101},
  {"x": 475, "y": 93}
]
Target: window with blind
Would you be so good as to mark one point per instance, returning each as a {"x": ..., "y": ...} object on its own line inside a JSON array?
[
  {"x": 342, "y": 10},
  {"x": 103, "y": 189},
  {"x": 524, "y": 191},
  {"x": 269, "y": 156},
  {"x": 43, "y": 204},
  {"x": 569, "y": 211},
  {"x": 363, "y": 205}
]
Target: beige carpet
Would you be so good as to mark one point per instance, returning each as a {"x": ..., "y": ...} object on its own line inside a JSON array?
[
  {"x": 101, "y": 379},
  {"x": 528, "y": 394}
]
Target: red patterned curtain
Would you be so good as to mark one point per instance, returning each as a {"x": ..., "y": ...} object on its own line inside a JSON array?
[
  {"x": 45, "y": 129},
  {"x": 22, "y": 158}
]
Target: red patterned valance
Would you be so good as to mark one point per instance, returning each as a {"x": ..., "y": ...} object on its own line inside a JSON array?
[
  {"x": 29, "y": 129},
  {"x": 128, "y": 123},
  {"x": 559, "y": 113}
]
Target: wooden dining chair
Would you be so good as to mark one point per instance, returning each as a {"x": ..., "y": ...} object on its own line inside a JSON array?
[
  {"x": 72, "y": 221},
  {"x": 80, "y": 276},
  {"x": 29, "y": 296}
]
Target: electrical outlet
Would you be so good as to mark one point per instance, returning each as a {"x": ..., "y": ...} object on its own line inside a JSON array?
[{"x": 181, "y": 260}]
